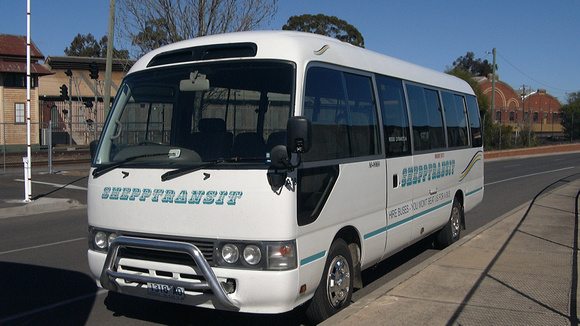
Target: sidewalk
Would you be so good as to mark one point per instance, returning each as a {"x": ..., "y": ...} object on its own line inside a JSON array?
[
  {"x": 521, "y": 269},
  {"x": 50, "y": 193}
]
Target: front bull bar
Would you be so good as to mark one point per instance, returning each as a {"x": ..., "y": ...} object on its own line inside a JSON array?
[{"x": 109, "y": 274}]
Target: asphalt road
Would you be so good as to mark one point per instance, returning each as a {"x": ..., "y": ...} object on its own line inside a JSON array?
[{"x": 44, "y": 277}]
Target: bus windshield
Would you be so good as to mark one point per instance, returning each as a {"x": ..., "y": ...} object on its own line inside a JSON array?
[{"x": 191, "y": 115}]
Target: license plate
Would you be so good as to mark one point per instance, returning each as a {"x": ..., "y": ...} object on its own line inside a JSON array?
[{"x": 166, "y": 291}]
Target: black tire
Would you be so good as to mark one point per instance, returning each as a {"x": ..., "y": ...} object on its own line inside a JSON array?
[
  {"x": 334, "y": 292},
  {"x": 452, "y": 230}
]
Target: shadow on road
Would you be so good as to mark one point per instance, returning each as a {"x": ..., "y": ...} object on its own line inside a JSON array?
[{"x": 35, "y": 295}]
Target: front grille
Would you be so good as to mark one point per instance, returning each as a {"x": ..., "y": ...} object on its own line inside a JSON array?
[{"x": 205, "y": 246}]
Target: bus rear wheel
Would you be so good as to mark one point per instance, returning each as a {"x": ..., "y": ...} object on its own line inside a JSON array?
[
  {"x": 334, "y": 292},
  {"x": 452, "y": 230}
]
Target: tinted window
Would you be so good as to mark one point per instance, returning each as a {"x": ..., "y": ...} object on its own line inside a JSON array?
[
  {"x": 474, "y": 121},
  {"x": 343, "y": 115},
  {"x": 426, "y": 118},
  {"x": 395, "y": 119},
  {"x": 455, "y": 119}
]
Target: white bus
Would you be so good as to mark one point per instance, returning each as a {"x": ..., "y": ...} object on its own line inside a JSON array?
[{"x": 260, "y": 171}]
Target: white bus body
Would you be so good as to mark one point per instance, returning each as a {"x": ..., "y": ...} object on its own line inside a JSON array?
[{"x": 192, "y": 200}]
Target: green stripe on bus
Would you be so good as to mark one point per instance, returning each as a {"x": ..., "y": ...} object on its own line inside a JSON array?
[{"x": 312, "y": 258}]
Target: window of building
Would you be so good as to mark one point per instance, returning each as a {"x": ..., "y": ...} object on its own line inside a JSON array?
[
  {"x": 18, "y": 80},
  {"x": 535, "y": 116},
  {"x": 19, "y": 113},
  {"x": 498, "y": 115},
  {"x": 512, "y": 116}
]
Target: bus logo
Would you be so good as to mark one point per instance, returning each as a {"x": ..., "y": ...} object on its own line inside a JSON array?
[
  {"x": 322, "y": 50},
  {"x": 477, "y": 157}
]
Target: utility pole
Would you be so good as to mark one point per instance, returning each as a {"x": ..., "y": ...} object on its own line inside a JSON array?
[
  {"x": 492, "y": 109},
  {"x": 493, "y": 88}
]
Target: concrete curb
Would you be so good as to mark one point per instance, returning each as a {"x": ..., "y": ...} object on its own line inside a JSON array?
[
  {"x": 373, "y": 296},
  {"x": 42, "y": 205}
]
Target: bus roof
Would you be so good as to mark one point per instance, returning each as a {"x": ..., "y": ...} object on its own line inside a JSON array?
[{"x": 303, "y": 48}]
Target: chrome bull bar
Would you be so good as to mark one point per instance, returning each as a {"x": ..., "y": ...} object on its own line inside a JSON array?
[{"x": 109, "y": 274}]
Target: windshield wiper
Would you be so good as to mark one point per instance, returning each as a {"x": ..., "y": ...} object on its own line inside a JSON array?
[
  {"x": 182, "y": 171},
  {"x": 107, "y": 168}
]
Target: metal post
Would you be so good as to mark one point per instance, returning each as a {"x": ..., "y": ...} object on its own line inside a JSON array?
[
  {"x": 70, "y": 131},
  {"x": 109, "y": 66},
  {"x": 28, "y": 159},
  {"x": 50, "y": 143},
  {"x": 95, "y": 109}
]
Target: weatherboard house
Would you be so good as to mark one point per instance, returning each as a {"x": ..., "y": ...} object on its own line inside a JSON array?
[
  {"x": 13, "y": 88},
  {"x": 74, "y": 119}
]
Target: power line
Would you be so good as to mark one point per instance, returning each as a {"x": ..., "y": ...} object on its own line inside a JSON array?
[{"x": 539, "y": 82}]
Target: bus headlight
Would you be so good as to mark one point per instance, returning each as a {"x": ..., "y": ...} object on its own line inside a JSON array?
[
  {"x": 230, "y": 253},
  {"x": 252, "y": 254},
  {"x": 101, "y": 240},
  {"x": 264, "y": 255}
]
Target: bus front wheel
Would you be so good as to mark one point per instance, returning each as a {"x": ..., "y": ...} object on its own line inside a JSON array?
[{"x": 334, "y": 292}]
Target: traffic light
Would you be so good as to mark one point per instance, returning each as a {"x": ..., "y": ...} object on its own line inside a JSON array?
[
  {"x": 94, "y": 69},
  {"x": 88, "y": 104},
  {"x": 64, "y": 92},
  {"x": 68, "y": 72}
]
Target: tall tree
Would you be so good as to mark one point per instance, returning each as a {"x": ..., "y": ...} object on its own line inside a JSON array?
[
  {"x": 477, "y": 66},
  {"x": 149, "y": 24},
  {"x": 84, "y": 46},
  {"x": 571, "y": 116},
  {"x": 87, "y": 46},
  {"x": 326, "y": 25}
]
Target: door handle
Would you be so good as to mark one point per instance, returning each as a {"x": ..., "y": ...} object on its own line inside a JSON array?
[{"x": 432, "y": 191}]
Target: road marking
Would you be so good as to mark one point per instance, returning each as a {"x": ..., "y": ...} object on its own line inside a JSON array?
[
  {"x": 56, "y": 185},
  {"x": 528, "y": 175},
  {"x": 42, "y": 246}
]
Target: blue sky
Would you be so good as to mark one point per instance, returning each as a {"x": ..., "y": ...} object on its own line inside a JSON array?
[{"x": 537, "y": 41}]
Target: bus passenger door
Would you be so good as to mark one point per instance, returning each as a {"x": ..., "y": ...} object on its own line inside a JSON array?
[
  {"x": 399, "y": 204},
  {"x": 397, "y": 141}
]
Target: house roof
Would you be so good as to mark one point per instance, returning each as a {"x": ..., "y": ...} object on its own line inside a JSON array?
[
  {"x": 14, "y": 47},
  {"x": 13, "y": 56},
  {"x": 20, "y": 67}
]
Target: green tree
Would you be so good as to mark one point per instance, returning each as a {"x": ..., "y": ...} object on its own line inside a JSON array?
[
  {"x": 326, "y": 25},
  {"x": 571, "y": 116},
  {"x": 149, "y": 24},
  {"x": 477, "y": 67},
  {"x": 88, "y": 46}
]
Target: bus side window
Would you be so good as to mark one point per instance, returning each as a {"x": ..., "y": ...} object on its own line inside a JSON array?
[
  {"x": 343, "y": 115},
  {"x": 455, "y": 119},
  {"x": 474, "y": 121},
  {"x": 426, "y": 118},
  {"x": 395, "y": 119}
]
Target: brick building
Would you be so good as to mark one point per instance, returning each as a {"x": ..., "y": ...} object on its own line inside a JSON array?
[{"x": 535, "y": 107}]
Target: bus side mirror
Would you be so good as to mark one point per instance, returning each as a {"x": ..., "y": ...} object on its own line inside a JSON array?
[
  {"x": 93, "y": 148},
  {"x": 299, "y": 138},
  {"x": 299, "y": 135}
]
